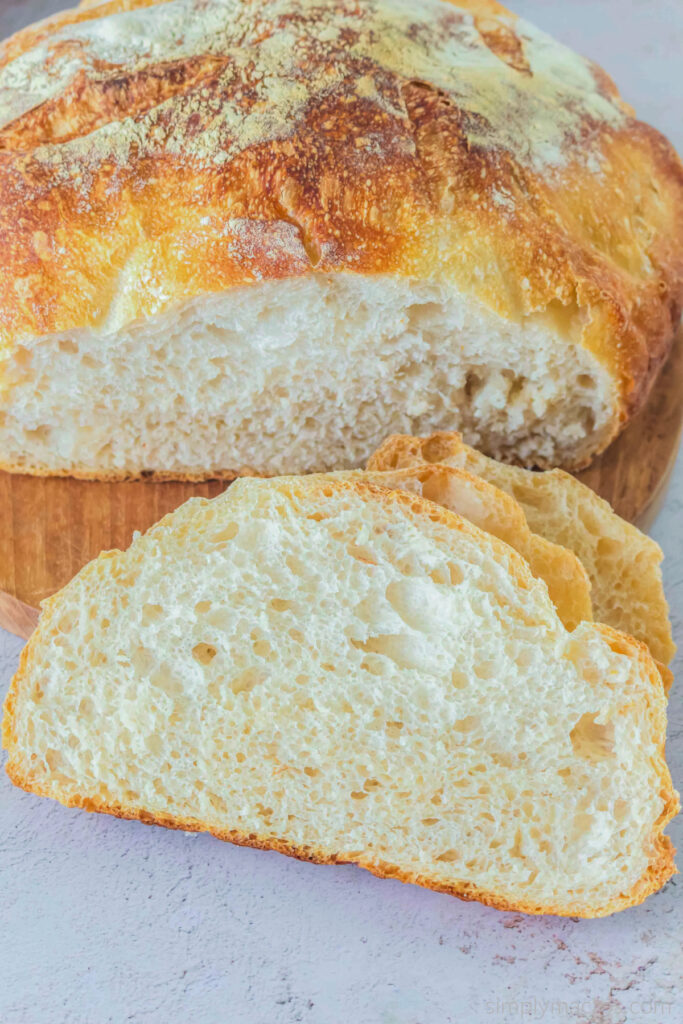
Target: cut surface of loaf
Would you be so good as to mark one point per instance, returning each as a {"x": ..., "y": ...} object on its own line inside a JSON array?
[
  {"x": 623, "y": 564},
  {"x": 493, "y": 510},
  {"x": 262, "y": 234},
  {"x": 248, "y": 380},
  {"x": 351, "y": 674}
]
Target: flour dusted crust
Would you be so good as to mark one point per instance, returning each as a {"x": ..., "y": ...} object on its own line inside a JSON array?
[
  {"x": 624, "y": 564},
  {"x": 154, "y": 152}
]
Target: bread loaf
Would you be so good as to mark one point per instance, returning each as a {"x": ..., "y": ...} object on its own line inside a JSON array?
[
  {"x": 260, "y": 236},
  {"x": 623, "y": 564},
  {"x": 350, "y": 674}
]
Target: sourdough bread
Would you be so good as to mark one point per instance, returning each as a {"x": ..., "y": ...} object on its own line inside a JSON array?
[
  {"x": 260, "y": 236},
  {"x": 350, "y": 674}
]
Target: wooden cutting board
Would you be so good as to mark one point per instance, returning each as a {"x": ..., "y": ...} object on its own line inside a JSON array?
[{"x": 50, "y": 527}]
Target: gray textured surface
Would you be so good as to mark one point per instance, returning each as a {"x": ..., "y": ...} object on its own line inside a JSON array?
[{"x": 109, "y": 921}]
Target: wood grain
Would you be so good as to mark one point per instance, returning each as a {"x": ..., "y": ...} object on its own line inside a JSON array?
[
  {"x": 50, "y": 527},
  {"x": 17, "y": 617},
  {"x": 634, "y": 473}
]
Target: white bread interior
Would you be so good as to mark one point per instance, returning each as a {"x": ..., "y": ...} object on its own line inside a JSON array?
[
  {"x": 347, "y": 673},
  {"x": 493, "y": 510},
  {"x": 623, "y": 564},
  {"x": 297, "y": 375}
]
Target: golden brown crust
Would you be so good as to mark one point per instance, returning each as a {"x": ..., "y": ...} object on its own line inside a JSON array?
[
  {"x": 661, "y": 866},
  {"x": 528, "y": 188},
  {"x": 660, "y": 870}
]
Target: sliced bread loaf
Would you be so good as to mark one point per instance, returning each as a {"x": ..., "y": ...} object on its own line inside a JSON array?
[
  {"x": 622, "y": 563},
  {"x": 350, "y": 674}
]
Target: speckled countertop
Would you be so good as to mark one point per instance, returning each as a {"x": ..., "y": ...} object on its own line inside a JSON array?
[{"x": 106, "y": 921}]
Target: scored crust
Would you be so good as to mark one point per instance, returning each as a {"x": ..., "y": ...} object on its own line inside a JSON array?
[
  {"x": 277, "y": 138},
  {"x": 660, "y": 868}
]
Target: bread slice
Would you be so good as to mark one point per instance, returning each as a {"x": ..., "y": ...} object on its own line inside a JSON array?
[
  {"x": 622, "y": 563},
  {"x": 496, "y": 512},
  {"x": 350, "y": 674}
]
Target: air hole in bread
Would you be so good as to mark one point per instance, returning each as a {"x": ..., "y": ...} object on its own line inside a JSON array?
[
  {"x": 296, "y": 566},
  {"x": 54, "y": 759},
  {"x": 165, "y": 680},
  {"x": 456, "y": 574},
  {"x": 467, "y": 724},
  {"x": 419, "y": 605},
  {"x": 201, "y": 608},
  {"x": 151, "y": 613},
  {"x": 485, "y": 670},
  {"x": 154, "y": 743},
  {"x": 218, "y": 804},
  {"x": 592, "y": 740},
  {"x": 279, "y": 604},
  {"x": 362, "y": 553},
  {"x": 582, "y": 824},
  {"x": 248, "y": 679},
  {"x": 142, "y": 660},
  {"x": 403, "y": 650},
  {"x": 448, "y": 856},
  {"x": 621, "y": 810},
  {"x": 263, "y": 649},
  {"x": 610, "y": 547},
  {"x": 374, "y": 665},
  {"x": 203, "y": 653},
  {"x": 86, "y": 708},
  {"x": 394, "y": 729},
  {"x": 229, "y": 532}
]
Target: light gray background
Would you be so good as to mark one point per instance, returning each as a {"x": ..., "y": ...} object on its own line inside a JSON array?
[{"x": 109, "y": 921}]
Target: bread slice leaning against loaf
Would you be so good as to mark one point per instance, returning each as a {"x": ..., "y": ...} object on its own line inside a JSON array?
[
  {"x": 350, "y": 674},
  {"x": 496, "y": 512},
  {"x": 623, "y": 564},
  {"x": 244, "y": 259}
]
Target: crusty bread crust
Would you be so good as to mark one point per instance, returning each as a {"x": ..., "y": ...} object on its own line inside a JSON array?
[
  {"x": 530, "y": 194},
  {"x": 661, "y": 869},
  {"x": 661, "y": 865}
]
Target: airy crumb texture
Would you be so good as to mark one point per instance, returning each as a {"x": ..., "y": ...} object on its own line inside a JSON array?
[
  {"x": 265, "y": 233},
  {"x": 622, "y": 563},
  {"x": 496, "y": 512},
  {"x": 249, "y": 380},
  {"x": 350, "y": 674}
]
